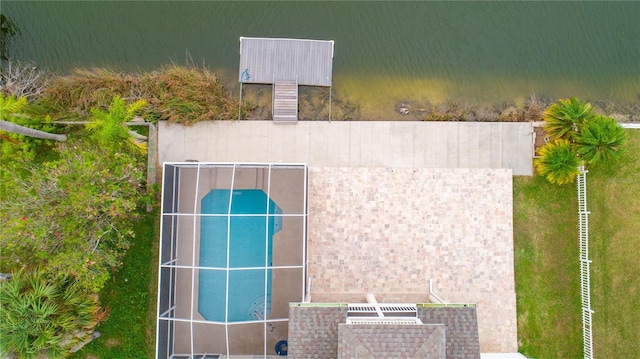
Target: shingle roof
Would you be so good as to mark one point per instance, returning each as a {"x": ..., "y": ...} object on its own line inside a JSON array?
[{"x": 391, "y": 341}]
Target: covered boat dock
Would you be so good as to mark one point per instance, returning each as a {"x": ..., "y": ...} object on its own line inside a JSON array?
[{"x": 286, "y": 64}]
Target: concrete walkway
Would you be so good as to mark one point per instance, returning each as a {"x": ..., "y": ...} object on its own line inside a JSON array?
[{"x": 354, "y": 144}]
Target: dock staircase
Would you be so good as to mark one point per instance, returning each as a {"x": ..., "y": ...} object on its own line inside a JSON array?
[
  {"x": 285, "y": 102},
  {"x": 585, "y": 285}
]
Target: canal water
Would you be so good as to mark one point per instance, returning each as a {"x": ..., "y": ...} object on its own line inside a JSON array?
[{"x": 385, "y": 52}]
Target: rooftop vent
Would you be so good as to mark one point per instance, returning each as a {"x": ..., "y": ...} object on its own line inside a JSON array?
[
  {"x": 383, "y": 321},
  {"x": 386, "y": 309},
  {"x": 373, "y": 312}
]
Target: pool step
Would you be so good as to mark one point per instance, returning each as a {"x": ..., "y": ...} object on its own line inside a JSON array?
[{"x": 246, "y": 178}]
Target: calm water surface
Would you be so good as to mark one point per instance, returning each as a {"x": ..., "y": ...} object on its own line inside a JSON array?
[{"x": 385, "y": 52}]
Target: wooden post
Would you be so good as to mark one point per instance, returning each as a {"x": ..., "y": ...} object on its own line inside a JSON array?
[
  {"x": 330, "y": 103},
  {"x": 240, "y": 103}
]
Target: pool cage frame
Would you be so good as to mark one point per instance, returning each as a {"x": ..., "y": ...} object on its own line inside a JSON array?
[{"x": 168, "y": 263}]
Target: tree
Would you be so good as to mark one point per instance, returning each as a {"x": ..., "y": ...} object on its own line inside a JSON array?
[
  {"x": 558, "y": 162},
  {"x": 564, "y": 118},
  {"x": 578, "y": 135},
  {"x": 600, "y": 139},
  {"x": 11, "y": 109},
  {"x": 42, "y": 316},
  {"x": 30, "y": 132},
  {"x": 109, "y": 129}
]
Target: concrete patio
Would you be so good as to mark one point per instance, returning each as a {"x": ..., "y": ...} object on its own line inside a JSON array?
[{"x": 354, "y": 144}]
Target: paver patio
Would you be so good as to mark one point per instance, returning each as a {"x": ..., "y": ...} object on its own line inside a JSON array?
[{"x": 384, "y": 231}]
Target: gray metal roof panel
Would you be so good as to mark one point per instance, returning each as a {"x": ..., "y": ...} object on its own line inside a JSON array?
[{"x": 267, "y": 60}]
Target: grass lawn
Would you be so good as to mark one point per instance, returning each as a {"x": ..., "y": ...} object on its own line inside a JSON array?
[
  {"x": 547, "y": 267},
  {"x": 131, "y": 295}
]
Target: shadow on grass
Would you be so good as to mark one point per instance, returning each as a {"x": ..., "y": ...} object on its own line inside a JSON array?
[{"x": 131, "y": 295}]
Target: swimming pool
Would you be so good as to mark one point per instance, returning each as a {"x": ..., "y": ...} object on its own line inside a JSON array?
[{"x": 249, "y": 231}]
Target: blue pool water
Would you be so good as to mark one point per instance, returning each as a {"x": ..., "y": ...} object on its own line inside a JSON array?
[{"x": 250, "y": 245}]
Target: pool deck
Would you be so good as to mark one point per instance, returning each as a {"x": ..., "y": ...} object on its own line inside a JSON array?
[
  {"x": 287, "y": 250},
  {"x": 388, "y": 144}
]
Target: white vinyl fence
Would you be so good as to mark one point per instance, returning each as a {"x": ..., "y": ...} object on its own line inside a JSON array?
[{"x": 585, "y": 286}]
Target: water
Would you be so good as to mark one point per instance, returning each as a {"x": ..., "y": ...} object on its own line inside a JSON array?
[
  {"x": 250, "y": 245},
  {"x": 385, "y": 52}
]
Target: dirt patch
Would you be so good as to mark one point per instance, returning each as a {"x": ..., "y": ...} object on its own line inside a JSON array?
[{"x": 540, "y": 139}]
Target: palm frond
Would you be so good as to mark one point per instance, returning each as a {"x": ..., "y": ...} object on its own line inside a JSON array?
[
  {"x": 600, "y": 139},
  {"x": 135, "y": 108},
  {"x": 558, "y": 162},
  {"x": 108, "y": 127},
  {"x": 564, "y": 118},
  {"x": 140, "y": 146},
  {"x": 48, "y": 318},
  {"x": 9, "y": 106}
]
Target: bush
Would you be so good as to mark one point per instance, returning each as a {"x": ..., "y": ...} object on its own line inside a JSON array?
[
  {"x": 16, "y": 110},
  {"x": 72, "y": 215},
  {"x": 174, "y": 93},
  {"x": 22, "y": 79},
  {"x": 45, "y": 316}
]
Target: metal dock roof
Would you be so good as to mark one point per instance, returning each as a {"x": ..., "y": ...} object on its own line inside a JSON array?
[{"x": 269, "y": 60}]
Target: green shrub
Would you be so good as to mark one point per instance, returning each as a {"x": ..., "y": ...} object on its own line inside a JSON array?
[
  {"x": 18, "y": 111},
  {"x": 72, "y": 215},
  {"x": 43, "y": 316}
]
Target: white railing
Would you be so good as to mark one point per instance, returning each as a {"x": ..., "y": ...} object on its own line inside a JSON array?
[
  {"x": 384, "y": 307},
  {"x": 585, "y": 286}
]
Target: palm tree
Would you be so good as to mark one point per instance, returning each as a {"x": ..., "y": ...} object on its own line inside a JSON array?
[
  {"x": 109, "y": 129},
  {"x": 40, "y": 316},
  {"x": 564, "y": 118},
  {"x": 11, "y": 108},
  {"x": 600, "y": 139},
  {"x": 558, "y": 162}
]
